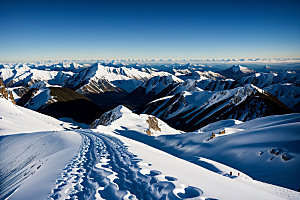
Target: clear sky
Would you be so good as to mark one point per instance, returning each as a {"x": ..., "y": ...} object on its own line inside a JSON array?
[{"x": 115, "y": 29}]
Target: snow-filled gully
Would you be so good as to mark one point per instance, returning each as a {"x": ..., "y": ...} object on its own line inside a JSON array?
[{"x": 105, "y": 169}]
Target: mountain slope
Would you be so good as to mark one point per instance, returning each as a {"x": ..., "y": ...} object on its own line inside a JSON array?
[
  {"x": 287, "y": 94},
  {"x": 283, "y": 85},
  {"x": 154, "y": 88},
  {"x": 236, "y": 72},
  {"x": 267, "y": 149},
  {"x": 260, "y": 148},
  {"x": 61, "y": 102},
  {"x": 263, "y": 80},
  {"x": 26, "y": 76},
  {"x": 16, "y": 119},
  {"x": 189, "y": 111},
  {"x": 126, "y": 79},
  {"x": 121, "y": 117}
]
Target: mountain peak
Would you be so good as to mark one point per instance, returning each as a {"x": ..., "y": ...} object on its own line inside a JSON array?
[
  {"x": 236, "y": 72},
  {"x": 110, "y": 116},
  {"x": 237, "y": 68}
]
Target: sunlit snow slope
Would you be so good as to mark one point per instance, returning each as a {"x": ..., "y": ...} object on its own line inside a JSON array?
[{"x": 102, "y": 164}]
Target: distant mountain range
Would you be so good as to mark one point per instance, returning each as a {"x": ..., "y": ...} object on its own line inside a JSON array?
[{"x": 187, "y": 97}]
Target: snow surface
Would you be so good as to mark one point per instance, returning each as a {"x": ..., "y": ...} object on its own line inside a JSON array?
[
  {"x": 266, "y": 149},
  {"x": 15, "y": 119},
  {"x": 123, "y": 118},
  {"x": 38, "y": 160},
  {"x": 190, "y": 145},
  {"x": 220, "y": 125},
  {"x": 30, "y": 162}
]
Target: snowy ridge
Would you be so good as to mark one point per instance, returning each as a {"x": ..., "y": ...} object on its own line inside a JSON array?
[
  {"x": 157, "y": 83},
  {"x": 25, "y": 76},
  {"x": 121, "y": 117},
  {"x": 16, "y": 119},
  {"x": 283, "y": 85},
  {"x": 191, "y": 145},
  {"x": 266, "y": 79},
  {"x": 236, "y": 72},
  {"x": 192, "y": 110},
  {"x": 245, "y": 70},
  {"x": 287, "y": 94},
  {"x": 110, "y": 116},
  {"x": 201, "y": 75},
  {"x": 123, "y": 78},
  {"x": 220, "y": 125}
]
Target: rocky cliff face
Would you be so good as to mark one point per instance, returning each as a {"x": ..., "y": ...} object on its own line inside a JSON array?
[{"x": 4, "y": 93}]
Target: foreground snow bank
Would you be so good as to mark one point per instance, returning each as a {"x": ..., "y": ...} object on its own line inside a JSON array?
[
  {"x": 30, "y": 163},
  {"x": 267, "y": 149},
  {"x": 193, "y": 181},
  {"x": 15, "y": 119}
]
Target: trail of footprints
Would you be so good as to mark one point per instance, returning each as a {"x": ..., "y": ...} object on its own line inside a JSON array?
[
  {"x": 105, "y": 169},
  {"x": 72, "y": 175}
]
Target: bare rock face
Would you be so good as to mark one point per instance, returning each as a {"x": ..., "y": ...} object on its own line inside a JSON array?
[
  {"x": 5, "y": 93},
  {"x": 153, "y": 124},
  {"x": 108, "y": 117}
]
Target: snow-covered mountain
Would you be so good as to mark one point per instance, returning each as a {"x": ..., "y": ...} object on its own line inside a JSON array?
[
  {"x": 201, "y": 75},
  {"x": 63, "y": 165},
  {"x": 265, "y": 79},
  {"x": 123, "y": 78},
  {"x": 287, "y": 94},
  {"x": 236, "y": 72},
  {"x": 103, "y": 83},
  {"x": 60, "y": 102},
  {"x": 215, "y": 85},
  {"x": 121, "y": 117},
  {"x": 156, "y": 87},
  {"x": 283, "y": 85},
  {"x": 77, "y": 76},
  {"x": 191, "y": 110},
  {"x": 26, "y": 76}
]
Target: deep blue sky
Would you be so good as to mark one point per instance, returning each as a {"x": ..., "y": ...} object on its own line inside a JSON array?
[{"x": 61, "y": 29}]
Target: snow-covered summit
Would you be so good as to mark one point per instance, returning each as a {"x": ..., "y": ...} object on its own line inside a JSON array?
[
  {"x": 39, "y": 85},
  {"x": 236, "y": 72},
  {"x": 112, "y": 115},
  {"x": 236, "y": 68},
  {"x": 158, "y": 83}
]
